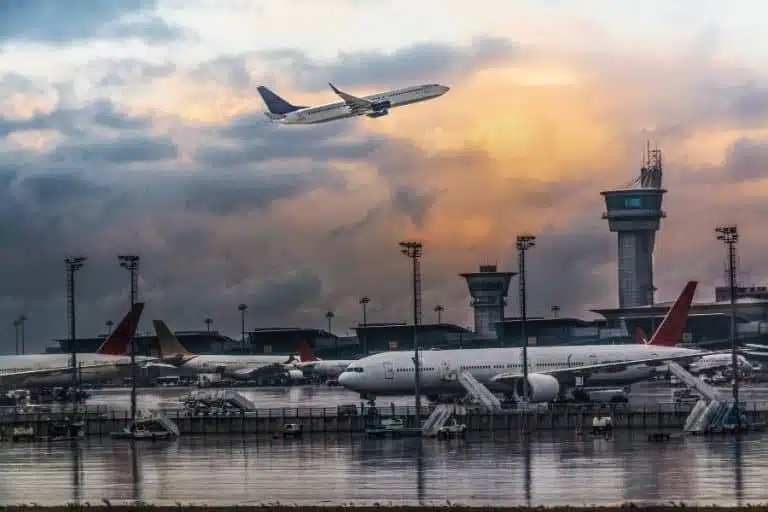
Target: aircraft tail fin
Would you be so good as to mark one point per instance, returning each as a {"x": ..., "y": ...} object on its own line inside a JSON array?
[
  {"x": 276, "y": 105},
  {"x": 167, "y": 342},
  {"x": 116, "y": 344},
  {"x": 640, "y": 336},
  {"x": 305, "y": 353},
  {"x": 671, "y": 329}
]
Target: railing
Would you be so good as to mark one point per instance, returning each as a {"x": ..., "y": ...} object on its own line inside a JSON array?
[{"x": 103, "y": 412}]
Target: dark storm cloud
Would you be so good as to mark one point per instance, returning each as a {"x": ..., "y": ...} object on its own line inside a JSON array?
[
  {"x": 75, "y": 122},
  {"x": 413, "y": 203},
  {"x": 746, "y": 160},
  {"x": 117, "y": 151},
  {"x": 55, "y": 21},
  {"x": 232, "y": 193}
]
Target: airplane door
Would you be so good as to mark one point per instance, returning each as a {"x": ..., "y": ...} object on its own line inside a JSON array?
[
  {"x": 445, "y": 371},
  {"x": 389, "y": 372},
  {"x": 592, "y": 359}
]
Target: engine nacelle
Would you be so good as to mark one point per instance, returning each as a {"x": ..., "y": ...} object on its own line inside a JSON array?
[
  {"x": 381, "y": 106},
  {"x": 380, "y": 113},
  {"x": 541, "y": 388},
  {"x": 295, "y": 375}
]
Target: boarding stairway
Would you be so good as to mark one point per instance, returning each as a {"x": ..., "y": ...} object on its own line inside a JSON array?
[
  {"x": 160, "y": 419},
  {"x": 711, "y": 412},
  {"x": 478, "y": 391},
  {"x": 440, "y": 415},
  {"x": 220, "y": 396}
]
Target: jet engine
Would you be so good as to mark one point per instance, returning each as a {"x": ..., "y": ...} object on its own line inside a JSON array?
[
  {"x": 295, "y": 375},
  {"x": 379, "y": 109},
  {"x": 541, "y": 388},
  {"x": 374, "y": 115}
]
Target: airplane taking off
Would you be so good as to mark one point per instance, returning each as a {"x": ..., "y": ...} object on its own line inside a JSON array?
[
  {"x": 551, "y": 370},
  {"x": 240, "y": 367},
  {"x": 375, "y": 105}
]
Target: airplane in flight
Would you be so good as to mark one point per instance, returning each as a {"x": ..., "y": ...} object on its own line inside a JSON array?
[
  {"x": 240, "y": 367},
  {"x": 551, "y": 370},
  {"x": 109, "y": 361},
  {"x": 329, "y": 368},
  {"x": 375, "y": 105}
]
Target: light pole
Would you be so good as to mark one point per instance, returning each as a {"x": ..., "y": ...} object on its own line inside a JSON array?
[
  {"x": 414, "y": 251},
  {"x": 730, "y": 236},
  {"x": 208, "y": 321},
  {"x": 16, "y": 328},
  {"x": 555, "y": 310},
  {"x": 73, "y": 265},
  {"x": 439, "y": 310},
  {"x": 131, "y": 263},
  {"x": 524, "y": 242},
  {"x": 109, "y": 325},
  {"x": 364, "y": 302},
  {"x": 329, "y": 316},
  {"x": 22, "y": 318},
  {"x": 242, "y": 308}
]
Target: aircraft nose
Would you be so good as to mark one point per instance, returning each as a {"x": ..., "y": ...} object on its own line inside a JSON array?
[
  {"x": 347, "y": 379},
  {"x": 444, "y": 89}
]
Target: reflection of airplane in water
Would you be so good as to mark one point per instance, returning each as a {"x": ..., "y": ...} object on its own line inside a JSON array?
[
  {"x": 109, "y": 361},
  {"x": 241, "y": 367},
  {"x": 551, "y": 370}
]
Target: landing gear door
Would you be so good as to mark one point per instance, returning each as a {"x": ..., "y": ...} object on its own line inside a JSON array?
[{"x": 389, "y": 372}]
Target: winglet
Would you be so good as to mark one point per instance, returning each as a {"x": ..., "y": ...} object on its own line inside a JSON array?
[
  {"x": 116, "y": 344},
  {"x": 671, "y": 329},
  {"x": 167, "y": 342}
]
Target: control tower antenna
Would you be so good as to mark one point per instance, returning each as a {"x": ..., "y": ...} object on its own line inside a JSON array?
[{"x": 635, "y": 214}]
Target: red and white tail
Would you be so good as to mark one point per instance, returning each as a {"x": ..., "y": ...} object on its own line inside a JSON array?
[
  {"x": 305, "y": 353},
  {"x": 640, "y": 336},
  {"x": 671, "y": 329},
  {"x": 116, "y": 344}
]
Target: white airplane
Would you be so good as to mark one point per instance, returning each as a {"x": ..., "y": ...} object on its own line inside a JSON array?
[
  {"x": 310, "y": 363},
  {"x": 109, "y": 361},
  {"x": 550, "y": 369},
  {"x": 375, "y": 105},
  {"x": 240, "y": 367}
]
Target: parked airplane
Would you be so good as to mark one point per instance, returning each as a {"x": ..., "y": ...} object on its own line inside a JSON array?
[
  {"x": 375, "y": 105},
  {"x": 707, "y": 364},
  {"x": 241, "y": 367},
  {"x": 109, "y": 361},
  {"x": 550, "y": 369},
  {"x": 310, "y": 363}
]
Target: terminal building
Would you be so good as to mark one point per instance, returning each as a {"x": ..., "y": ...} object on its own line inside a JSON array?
[{"x": 199, "y": 342}]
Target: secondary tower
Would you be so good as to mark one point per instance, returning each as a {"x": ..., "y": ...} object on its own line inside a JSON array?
[
  {"x": 488, "y": 289},
  {"x": 635, "y": 214}
]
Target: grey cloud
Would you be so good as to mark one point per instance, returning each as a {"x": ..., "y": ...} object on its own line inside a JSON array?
[
  {"x": 118, "y": 151},
  {"x": 54, "y": 21},
  {"x": 132, "y": 72},
  {"x": 74, "y": 122},
  {"x": 229, "y": 194},
  {"x": 422, "y": 62},
  {"x": 746, "y": 160},
  {"x": 413, "y": 203}
]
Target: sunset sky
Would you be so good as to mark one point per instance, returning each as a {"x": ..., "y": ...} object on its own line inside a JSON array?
[{"x": 135, "y": 126}]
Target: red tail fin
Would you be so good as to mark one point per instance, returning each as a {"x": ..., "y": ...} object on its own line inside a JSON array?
[
  {"x": 305, "y": 353},
  {"x": 640, "y": 336},
  {"x": 116, "y": 343},
  {"x": 671, "y": 329}
]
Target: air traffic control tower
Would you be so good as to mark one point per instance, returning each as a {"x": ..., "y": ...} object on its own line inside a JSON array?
[
  {"x": 488, "y": 289},
  {"x": 635, "y": 214}
]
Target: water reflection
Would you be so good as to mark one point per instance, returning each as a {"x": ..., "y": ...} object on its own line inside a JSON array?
[{"x": 494, "y": 469}]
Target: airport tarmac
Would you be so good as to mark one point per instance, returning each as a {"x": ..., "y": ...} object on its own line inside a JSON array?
[
  {"x": 650, "y": 393},
  {"x": 485, "y": 469}
]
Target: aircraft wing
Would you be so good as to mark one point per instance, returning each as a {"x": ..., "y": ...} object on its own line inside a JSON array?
[
  {"x": 602, "y": 367},
  {"x": 354, "y": 102},
  {"x": 256, "y": 370}
]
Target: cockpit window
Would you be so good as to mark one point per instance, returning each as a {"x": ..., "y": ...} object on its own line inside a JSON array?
[{"x": 356, "y": 369}]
